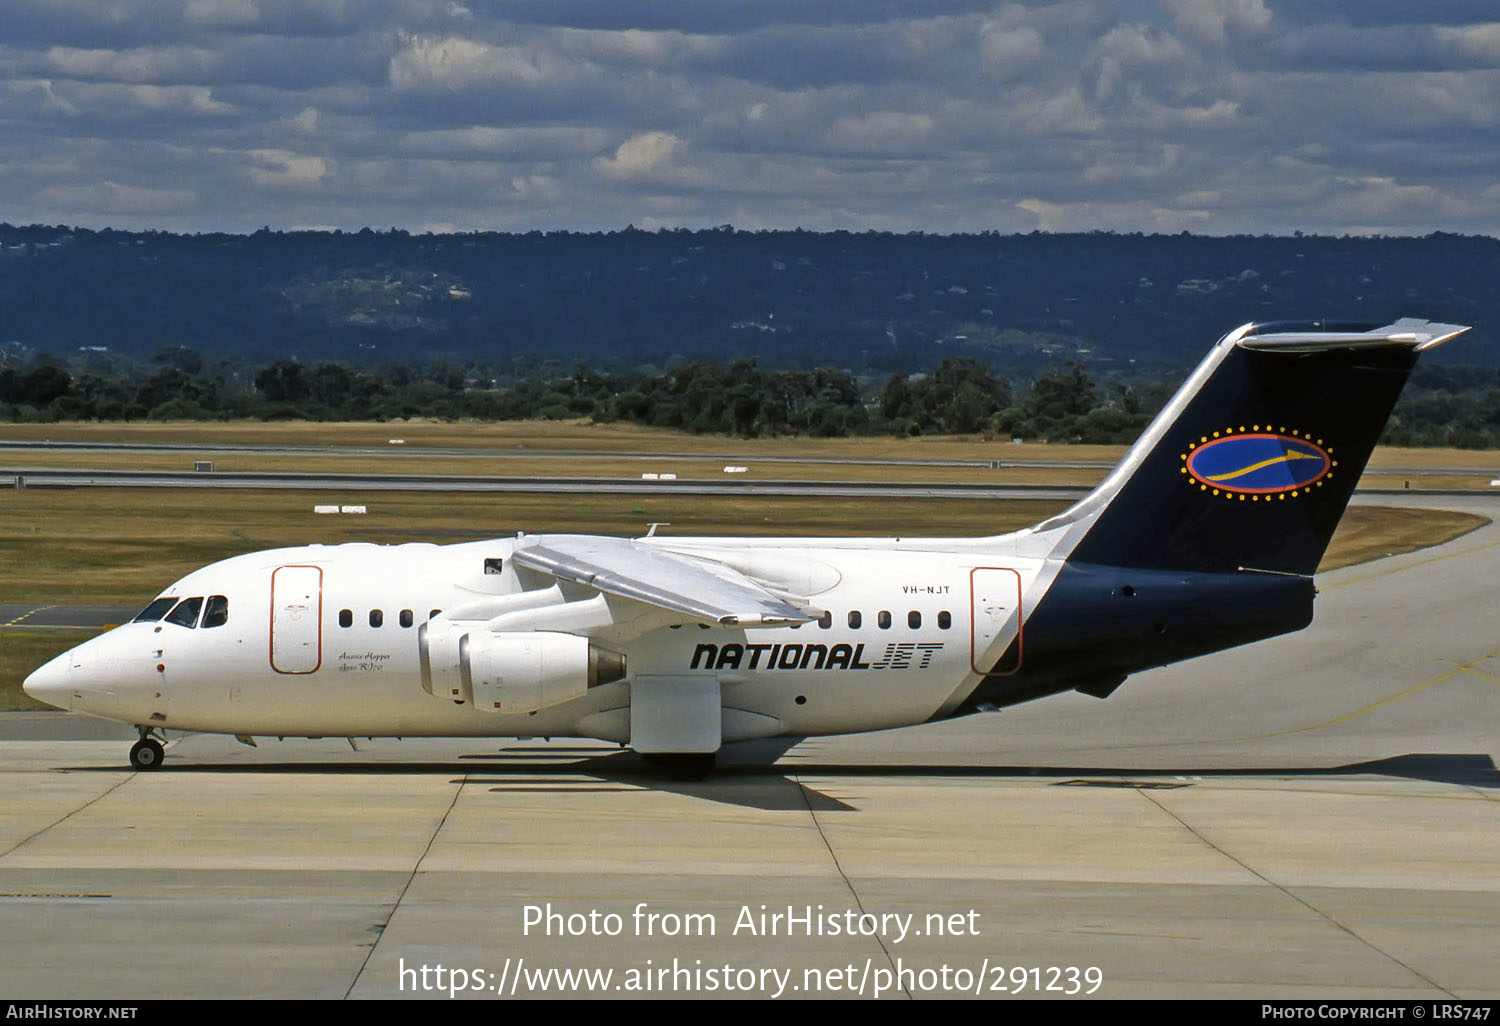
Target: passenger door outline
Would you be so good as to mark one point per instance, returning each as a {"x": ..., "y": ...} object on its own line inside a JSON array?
[
  {"x": 296, "y": 627},
  {"x": 994, "y": 594}
]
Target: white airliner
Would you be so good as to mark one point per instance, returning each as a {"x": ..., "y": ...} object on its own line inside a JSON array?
[{"x": 1205, "y": 536}]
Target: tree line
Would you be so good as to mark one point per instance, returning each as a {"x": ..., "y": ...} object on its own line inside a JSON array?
[
  {"x": 1452, "y": 406},
  {"x": 960, "y": 396}
]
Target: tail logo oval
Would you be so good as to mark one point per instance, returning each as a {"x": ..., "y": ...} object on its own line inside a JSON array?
[{"x": 1258, "y": 463}]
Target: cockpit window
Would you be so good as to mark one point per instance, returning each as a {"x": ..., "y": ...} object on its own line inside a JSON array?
[
  {"x": 186, "y": 613},
  {"x": 155, "y": 611},
  {"x": 216, "y": 613}
]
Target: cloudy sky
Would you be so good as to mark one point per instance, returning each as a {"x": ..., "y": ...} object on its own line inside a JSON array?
[{"x": 1214, "y": 116}]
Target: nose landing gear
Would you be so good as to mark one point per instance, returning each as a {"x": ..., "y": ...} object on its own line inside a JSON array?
[{"x": 147, "y": 753}]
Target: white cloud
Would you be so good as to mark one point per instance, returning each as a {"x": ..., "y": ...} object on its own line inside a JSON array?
[
  {"x": 1134, "y": 44},
  {"x": 222, "y": 13},
  {"x": 1065, "y": 112},
  {"x": 113, "y": 198},
  {"x": 1143, "y": 214},
  {"x": 1166, "y": 163},
  {"x": 644, "y": 154},
  {"x": 543, "y": 187},
  {"x": 1211, "y": 20},
  {"x": 116, "y": 98},
  {"x": 1126, "y": 50},
  {"x": 1091, "y": 113},
  {"x": 143, "y": 64},
  {"x": 1005, "y": 53},
  {"x": 453, "y": 62},
  {"x": 882, "y": 131},
  {"x": 305, "y": 123},
  {"x": 52, "y": 101},
  {"x": 196, "y": 99},
  {"x": 282, "y": 169},
  {"x": 542, "y": 142},
  {"x": 1481, "y": 42},
  {"x": 1374, "y": 202},
  {"x": 657, "y": 49}
]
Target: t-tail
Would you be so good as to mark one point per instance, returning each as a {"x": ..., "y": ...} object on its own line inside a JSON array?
[{"x": 1207, "y": 533}]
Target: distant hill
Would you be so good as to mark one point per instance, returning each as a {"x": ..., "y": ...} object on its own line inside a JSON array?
[{"x": 869, "y": 302}]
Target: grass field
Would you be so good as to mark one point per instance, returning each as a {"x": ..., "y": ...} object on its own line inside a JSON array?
[
  {"x": 111, "y": 545},
  {"x": 566, "y": 436},
  {"x": 575, "y": 436},
  {"x": 20, "y": 653},
  {"x": 123, "y": 545},
  {"x": 513, "y": 449}
]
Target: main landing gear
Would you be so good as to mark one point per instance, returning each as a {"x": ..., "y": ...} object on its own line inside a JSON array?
[
  {"x": 147, "y": 753},
  {"x": 682, "y": 765}
]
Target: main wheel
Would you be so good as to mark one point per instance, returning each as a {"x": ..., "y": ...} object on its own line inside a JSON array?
[
  {"x": 683, "y": 765},
  {"x": 147, "y": 754}
]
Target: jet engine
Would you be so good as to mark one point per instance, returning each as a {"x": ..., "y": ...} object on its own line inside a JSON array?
[{"x": 512, "y": 672}]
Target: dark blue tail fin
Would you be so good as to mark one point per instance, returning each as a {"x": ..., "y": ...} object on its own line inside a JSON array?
[
  {"x": 1207, "y": 533},
  {"x": 1251, "y": 464}
]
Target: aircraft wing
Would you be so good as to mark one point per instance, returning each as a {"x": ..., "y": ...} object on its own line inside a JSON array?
[{"x": 646, "y": 573}]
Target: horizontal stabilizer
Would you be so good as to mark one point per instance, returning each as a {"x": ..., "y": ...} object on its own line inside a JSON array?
[{"x": 1417, "y": 334}]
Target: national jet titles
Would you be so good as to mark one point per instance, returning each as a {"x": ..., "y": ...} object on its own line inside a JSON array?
[{"x": 1204, "y": 537}]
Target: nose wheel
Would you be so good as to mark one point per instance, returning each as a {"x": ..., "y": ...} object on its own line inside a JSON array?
[{"x": 147, "y": 753}]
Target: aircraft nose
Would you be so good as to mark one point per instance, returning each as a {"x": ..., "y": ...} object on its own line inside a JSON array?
[{"x": 49, "y": 683}]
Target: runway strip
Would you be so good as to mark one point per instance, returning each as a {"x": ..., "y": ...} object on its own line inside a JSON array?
[
  {"x": 728, "y": 456},
  {"x": 62, "y": 618},
  {"x": 49, "y": 478}
]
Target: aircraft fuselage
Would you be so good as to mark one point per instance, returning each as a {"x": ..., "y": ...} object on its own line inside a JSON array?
[{"x": 324, "y": 641}]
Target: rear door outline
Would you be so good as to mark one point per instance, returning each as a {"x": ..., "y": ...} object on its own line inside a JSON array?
[{"x": 992, "y": 598}]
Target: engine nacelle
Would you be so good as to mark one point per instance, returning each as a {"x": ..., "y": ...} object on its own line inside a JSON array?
[
  {"x": 527, "y": 671},
  {"x": 437, "y": 650},
  {"x": 516, "y": 672}
]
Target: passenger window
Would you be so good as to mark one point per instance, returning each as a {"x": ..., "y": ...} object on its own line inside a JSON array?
[
  {"x": 884, "y": 619},
  {"x": 186, "y": 613},
  {"x": 346, "y": 618},
  {"x": 855, "y": 619},
  {"x": 216, "y": 613},
  {"x": 155, "y": 611},
  {"x": 406, "y": 620},
  {"x": 493, "y": 566},
  {"x": 376, "y": 618},
  {"x": 434, "y": 614},
  {"x": 826, "y": 620},
  {"x": 914, "y": 620},
  {"x": 945, "y": 620}
]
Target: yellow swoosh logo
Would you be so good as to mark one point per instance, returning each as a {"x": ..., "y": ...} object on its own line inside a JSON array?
[{"x": 1283, "y": 458}]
